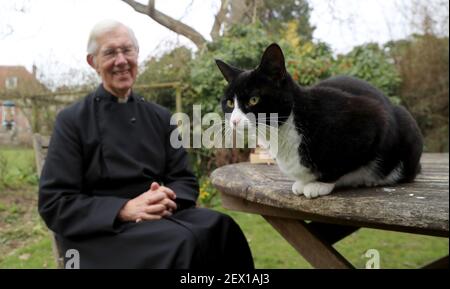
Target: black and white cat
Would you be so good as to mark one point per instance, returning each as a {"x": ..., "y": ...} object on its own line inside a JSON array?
[{"x": 340, "y": 132}]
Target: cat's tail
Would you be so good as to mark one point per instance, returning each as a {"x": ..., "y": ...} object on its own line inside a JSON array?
[{"x": 411, "y": 144}]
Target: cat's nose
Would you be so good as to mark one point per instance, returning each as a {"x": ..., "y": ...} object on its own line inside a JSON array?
[{"x": 235, "y": 121}]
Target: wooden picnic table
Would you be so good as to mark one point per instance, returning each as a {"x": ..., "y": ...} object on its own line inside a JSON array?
[{"x": 312, "y": 226}]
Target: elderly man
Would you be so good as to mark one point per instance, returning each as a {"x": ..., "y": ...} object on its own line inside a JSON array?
[{"x": 114, "y": 188}]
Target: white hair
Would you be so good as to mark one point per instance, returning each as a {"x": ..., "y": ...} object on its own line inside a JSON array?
[{"x": 103, "y": 27}]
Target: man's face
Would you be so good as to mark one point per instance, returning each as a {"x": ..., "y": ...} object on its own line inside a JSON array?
[{"x": 116, "y": 61}]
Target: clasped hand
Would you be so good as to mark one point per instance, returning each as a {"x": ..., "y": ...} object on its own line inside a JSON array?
[{"x": 153, "y": 204}]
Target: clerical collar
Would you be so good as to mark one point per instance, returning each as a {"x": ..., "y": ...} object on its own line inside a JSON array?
[
  {"x": 122, "y": 99},
  {"x": 103, "y": 93}
]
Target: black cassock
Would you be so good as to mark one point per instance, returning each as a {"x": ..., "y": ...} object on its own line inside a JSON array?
[{"x": 103, "y": 153}]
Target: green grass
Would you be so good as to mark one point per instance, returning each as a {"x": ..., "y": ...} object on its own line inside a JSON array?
[
  {"x": 17, "y": 168},
  {"x": 36, "y": 255},
  {"x": 397, "y": 250},
  {"x": 24, "y": 238},
  {"x": 25, "y": 241}
]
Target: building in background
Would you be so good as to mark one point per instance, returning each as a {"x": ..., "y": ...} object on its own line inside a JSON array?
[{"x": 16, "y": 82}]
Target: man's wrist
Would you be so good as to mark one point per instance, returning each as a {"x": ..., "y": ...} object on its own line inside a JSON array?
[{"x": 122, "y": 214}]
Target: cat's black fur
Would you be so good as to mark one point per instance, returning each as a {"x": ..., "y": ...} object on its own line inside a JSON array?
[{"x": 345, "y": 122}]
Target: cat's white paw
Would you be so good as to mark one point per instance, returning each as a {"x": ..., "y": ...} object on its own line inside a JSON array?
[
  {"x": 297, "y": 188},
  {"x": 317, "y": 189}
]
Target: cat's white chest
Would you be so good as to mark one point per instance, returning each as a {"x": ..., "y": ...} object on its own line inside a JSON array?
[{"x": 287, "y": 152}]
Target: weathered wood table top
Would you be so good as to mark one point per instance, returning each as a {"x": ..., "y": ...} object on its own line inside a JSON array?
[{"x": 419, "y": 207}]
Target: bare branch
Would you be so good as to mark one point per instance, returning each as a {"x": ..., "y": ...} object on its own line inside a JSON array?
[
  {"x": 151, "y": 6},
  {"x": 219, "y": 19},
  {"x": 7, "y": 32},
  {"x": 187, "y": 10},
  {"x": 255, "y": 10},
  {"x": 168, "y": 22},
  {"x": 239, "y": 9}
]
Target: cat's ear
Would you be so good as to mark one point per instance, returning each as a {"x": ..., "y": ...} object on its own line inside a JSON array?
[
  {"x": 228, "y": 71},
  {"x": 272, "y": 62}
]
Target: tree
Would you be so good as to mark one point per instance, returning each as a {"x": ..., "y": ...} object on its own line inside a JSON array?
[
  {"x": 423, "y": 63},
  {"x": 272, "y": 13}
]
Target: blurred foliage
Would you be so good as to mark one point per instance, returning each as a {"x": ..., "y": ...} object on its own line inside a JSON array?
[
  {"x": 423, "y": 64},
  {"x": 207, "y": 193},
  {"x": 373, "y": 64},
  {"x": 17, "y": 168},
  {"x": 271, "y": 14},
  {"x": 170, "y": 67},
  {"x": 277, "y": 13},
  {"x": 308, "y": 62},
  {"x": 241, "y": 47}
]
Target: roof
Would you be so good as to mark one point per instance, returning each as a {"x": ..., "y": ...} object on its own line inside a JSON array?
[{"x": 26, "y": 81}]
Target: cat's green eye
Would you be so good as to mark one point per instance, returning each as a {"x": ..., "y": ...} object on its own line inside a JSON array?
[
  {"x": 253, "y": 100},
  {"x": 230, "y": 103}
]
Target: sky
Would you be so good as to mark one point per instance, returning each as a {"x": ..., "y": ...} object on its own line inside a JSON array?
[{"x": 53, "y": 34}]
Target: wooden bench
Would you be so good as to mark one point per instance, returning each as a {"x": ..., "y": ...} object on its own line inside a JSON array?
[
  {"x": 419, "y": 208},
  {"x": 40, "y": 144}
]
